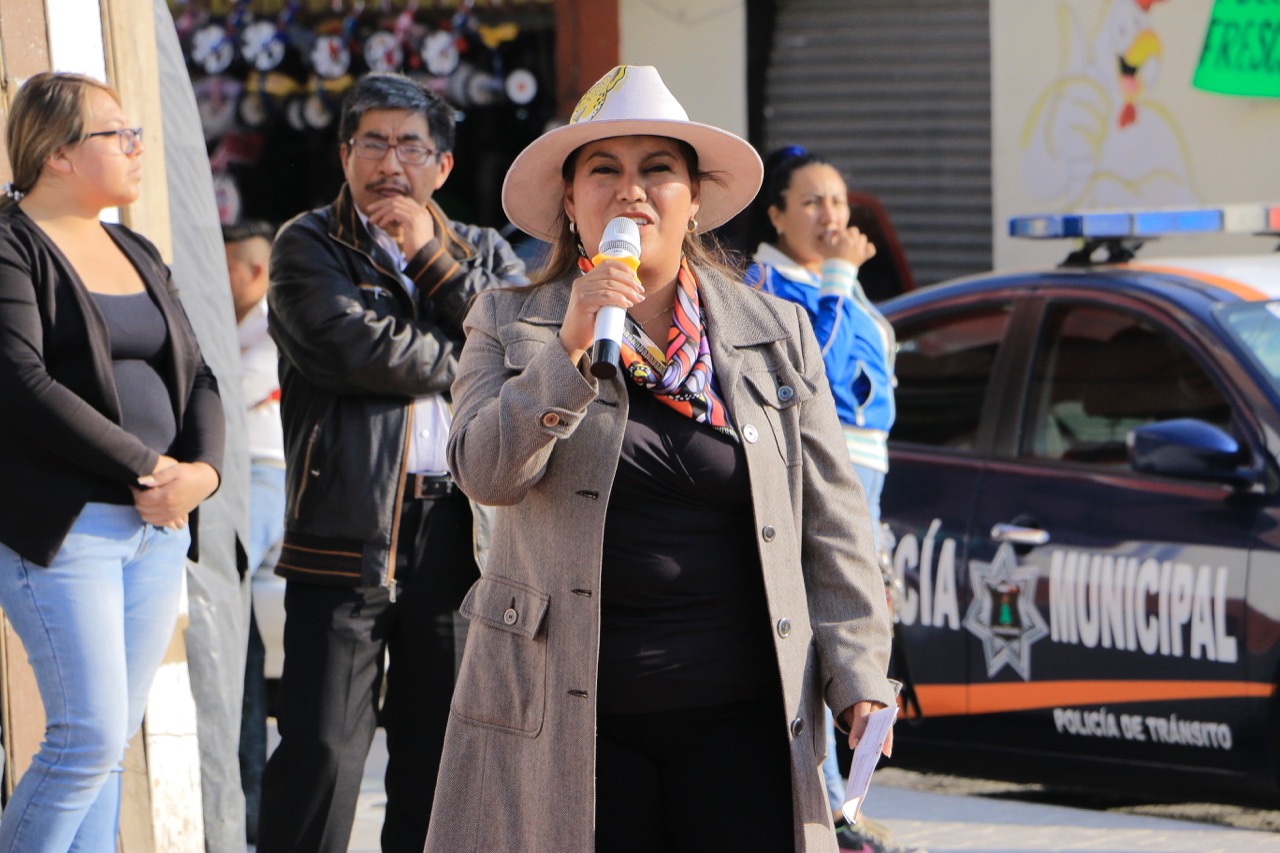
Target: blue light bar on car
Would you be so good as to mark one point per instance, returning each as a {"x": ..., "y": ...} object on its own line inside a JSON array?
[{"x": 1145, "y": 224}]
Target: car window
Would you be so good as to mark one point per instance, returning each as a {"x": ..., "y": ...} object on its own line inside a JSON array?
[
  {"x": 943, "y": 369},
  {"x": 1256, "y": 325},
  {"x": 1099, "y": 373}
]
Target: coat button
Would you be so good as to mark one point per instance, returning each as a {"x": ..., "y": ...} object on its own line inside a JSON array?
[
  {"x": 550, "y": 419},
  {"x": 784, "y": 628},
  {"x": 750, "y": 434},
  {"x": 786, "y": 392},
  {"x": 510, "y": 616},
  {"x": 768, "y": 532},
  {"x": 797, "y": 726}
]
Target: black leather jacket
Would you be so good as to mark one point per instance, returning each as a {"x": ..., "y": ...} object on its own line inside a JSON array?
[{"x": 355, "y": 350}]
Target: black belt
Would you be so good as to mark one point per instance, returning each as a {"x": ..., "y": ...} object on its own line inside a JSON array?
[{"x": 428, "y": 486}]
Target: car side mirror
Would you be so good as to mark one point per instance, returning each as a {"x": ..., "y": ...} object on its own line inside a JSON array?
[{"x": 1188, "y": 448}]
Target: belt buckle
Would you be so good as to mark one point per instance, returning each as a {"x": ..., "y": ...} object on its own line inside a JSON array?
[
  {"x": 429, "y": 486},
  {"x": 421, "y": 486}
]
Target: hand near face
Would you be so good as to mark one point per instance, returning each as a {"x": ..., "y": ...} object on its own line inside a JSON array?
[
  {"x": 405, "y": 220},
  {"x": 848, "y": 244},
  {"x": 610, "y": 283}
]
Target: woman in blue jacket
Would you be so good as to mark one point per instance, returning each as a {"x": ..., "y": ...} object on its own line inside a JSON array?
[{"x": 809, "y": 254}]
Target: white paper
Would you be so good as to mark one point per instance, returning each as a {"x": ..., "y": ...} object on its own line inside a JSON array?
[{"x": 865, "y": 758}]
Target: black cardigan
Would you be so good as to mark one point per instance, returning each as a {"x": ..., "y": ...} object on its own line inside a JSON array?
[{"x": 59, "y": 414}]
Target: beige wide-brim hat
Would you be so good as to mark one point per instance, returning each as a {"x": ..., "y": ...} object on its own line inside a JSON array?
[{"x": 631, "y": 100}]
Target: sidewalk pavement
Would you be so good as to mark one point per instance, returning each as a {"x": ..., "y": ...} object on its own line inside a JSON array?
[{"x": 941, "y": 823}]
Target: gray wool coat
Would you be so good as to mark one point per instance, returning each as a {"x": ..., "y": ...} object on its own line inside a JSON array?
[{"x": 536, "y": 436}]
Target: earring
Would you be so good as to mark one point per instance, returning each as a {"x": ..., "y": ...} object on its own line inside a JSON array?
[
  {"x": 693, "y": 225},
  {"x": 573, "y": 227}
]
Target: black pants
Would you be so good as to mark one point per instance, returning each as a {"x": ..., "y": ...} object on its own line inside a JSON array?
[
  {"x": 694, "y": 780},
  {"x": 334, "y": 642},
  {"x": 253, "y": 728}
]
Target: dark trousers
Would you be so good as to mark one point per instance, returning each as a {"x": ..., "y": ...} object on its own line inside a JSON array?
[
  {"x": 328, "y": 710},
  {"x": 694, "y": 780},
  {"x": 253, "y": 728}
]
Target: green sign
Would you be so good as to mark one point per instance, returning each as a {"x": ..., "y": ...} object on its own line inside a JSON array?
[{"x": 1241, "y": 54}]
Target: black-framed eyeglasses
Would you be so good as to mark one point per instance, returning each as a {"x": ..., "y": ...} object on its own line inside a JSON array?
[
  {"x": 130, "y": 137},
  {"x": 408, "y": 153}
]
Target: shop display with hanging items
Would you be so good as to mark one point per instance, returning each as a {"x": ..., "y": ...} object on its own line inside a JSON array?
[{"x": 269, "y": 78}]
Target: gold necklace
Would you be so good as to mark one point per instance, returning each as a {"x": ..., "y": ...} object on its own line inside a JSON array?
[{"x": 652, "y": 317}]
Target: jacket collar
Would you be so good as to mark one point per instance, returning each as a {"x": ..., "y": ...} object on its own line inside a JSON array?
[
  {"x": 738, "y": 315},
  {"x": 739, "y": 318},
  {"x": 547, "y": 304},
  {"x": 768, "y": 255}
]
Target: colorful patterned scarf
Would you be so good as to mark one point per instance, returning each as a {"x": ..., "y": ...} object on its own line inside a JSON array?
[{"x": 681, "y": 377}]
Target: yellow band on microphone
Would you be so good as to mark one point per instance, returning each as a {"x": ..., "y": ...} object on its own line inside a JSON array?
[{"x": 630, "y": 260}]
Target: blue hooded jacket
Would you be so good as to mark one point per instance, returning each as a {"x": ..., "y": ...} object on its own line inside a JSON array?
[{"x": 857, "y": 345}]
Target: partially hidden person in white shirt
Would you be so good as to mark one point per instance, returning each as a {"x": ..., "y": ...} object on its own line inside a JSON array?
[{"x": 248, "y": 246}]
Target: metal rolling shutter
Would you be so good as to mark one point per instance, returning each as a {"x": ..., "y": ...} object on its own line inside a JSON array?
[{"x": 897, "y": 94}]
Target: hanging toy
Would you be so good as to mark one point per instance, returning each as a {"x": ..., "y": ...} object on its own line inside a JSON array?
[
  {"x": 382, "y": 51},
  {"x": 440, "y": 53},
  {"x": 521, "y": 86},
  {"x": 262, "y": 45},
  {"x": 212, "y": 48}
]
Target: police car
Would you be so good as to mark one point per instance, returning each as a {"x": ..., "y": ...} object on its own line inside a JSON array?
[{"x": 1083, "y": 514}]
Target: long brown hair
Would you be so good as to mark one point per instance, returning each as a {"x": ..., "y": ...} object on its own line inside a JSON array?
[
  {"x": 48, "y": 112},
  {"x": 700, "y": 250}
]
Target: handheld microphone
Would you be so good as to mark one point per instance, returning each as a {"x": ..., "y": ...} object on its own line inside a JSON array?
[{"x": 620, "y": 241}]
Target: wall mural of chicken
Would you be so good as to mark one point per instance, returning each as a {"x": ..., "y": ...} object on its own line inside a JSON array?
[{"x": 1098, "y": 135}]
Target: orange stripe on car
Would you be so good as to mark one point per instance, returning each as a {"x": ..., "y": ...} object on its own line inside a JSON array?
[
  {"x": 1230, "y": 285},
  {"x": 948, "y": 700}
]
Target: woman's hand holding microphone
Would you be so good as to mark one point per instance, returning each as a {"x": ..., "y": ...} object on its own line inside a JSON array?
[{"x": 611, "y": 282}]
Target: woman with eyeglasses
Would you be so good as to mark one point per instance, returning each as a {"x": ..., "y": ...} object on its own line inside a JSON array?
[{"x": 111, "y": 434}]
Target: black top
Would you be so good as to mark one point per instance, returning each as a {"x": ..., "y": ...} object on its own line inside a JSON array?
[
  {"x": 138, "y": 356},
  {"x": 138, "y": 337},
  {"x": 683, "y": 616},
  {"x": 60, "y": 422}
]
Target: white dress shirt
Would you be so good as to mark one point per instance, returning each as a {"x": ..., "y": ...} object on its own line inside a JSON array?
[
  {"x": 431, "y": 416},
  {"x": 260, "y": 375}
]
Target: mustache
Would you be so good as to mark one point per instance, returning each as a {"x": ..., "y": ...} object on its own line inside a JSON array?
[{"x": 398, "y": 186}]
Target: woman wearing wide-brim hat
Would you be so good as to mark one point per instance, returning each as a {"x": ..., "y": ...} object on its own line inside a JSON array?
[{"x": 682, "y": 567}]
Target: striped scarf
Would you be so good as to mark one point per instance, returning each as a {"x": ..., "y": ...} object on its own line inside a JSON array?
[{"x": 682, "y": 377}]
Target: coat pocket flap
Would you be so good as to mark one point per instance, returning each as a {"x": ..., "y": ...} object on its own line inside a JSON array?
[
  {"x": 779, "y": 389},
  {"x": 517, "y": 354},
  {"x": 506, "y": 605}
]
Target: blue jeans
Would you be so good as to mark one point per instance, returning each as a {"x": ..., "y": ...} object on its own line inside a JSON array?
[
  {"x": 872, "y": 484},
  {"x": 266, "y": 530},
  {"x": 266, "y": 513},
  {"x": 96, "y": 625}
]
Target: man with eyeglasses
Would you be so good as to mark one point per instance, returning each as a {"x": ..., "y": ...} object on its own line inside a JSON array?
[{"x": 366, "y": 301}]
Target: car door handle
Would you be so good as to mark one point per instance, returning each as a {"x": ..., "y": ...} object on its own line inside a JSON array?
[{"x": 1019, "y": 535}]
